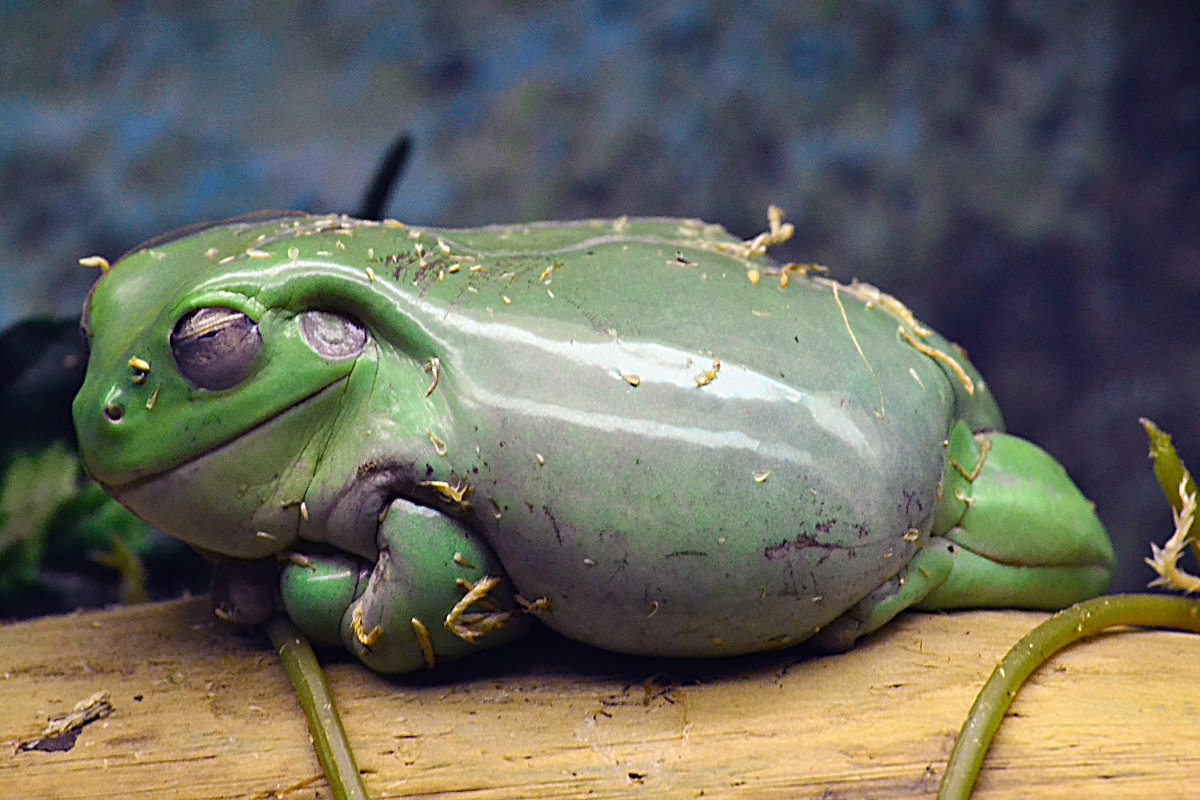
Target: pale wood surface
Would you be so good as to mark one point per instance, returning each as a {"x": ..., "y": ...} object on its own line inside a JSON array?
[{"x": 203, "y": 712}]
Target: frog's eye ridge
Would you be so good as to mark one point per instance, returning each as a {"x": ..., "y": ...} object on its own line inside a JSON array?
[
  {"x": 215, "y": 347},
  {"x": 332, "y": 336}
]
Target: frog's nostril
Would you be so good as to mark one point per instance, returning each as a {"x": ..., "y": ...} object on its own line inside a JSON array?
[{"x": 114, "y": 411}]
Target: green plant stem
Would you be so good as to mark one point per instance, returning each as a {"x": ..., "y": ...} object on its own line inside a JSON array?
[
  {"x": 1077, "y": 622},
  {"x": 328, "y": 735}
]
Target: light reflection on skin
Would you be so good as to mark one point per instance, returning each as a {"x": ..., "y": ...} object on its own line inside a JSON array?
[{"x": 671, "y": 369}]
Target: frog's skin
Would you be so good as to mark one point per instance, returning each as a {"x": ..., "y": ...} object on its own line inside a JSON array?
[{"x": 630, "y": 429}]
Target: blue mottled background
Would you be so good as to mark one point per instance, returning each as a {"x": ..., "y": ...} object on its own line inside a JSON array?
[{"x": 1026, "y": 175}]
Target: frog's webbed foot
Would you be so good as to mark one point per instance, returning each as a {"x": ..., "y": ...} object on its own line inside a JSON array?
[
  {"x": 928, "y": 570},
  {"x": 436, "y": 592},
  {"x": 1010, "y": 531}
]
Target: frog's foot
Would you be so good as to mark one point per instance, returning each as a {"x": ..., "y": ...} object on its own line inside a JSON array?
[
  {"x": 928, "y": 571},
  {"x": 318, "y": 588},
  {"x": 1010, "y": 531},
  {"x": 436, "y": 592}
]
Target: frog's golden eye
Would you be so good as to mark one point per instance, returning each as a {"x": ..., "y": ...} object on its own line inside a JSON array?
[
  {"x": 215, "y": 347},
  {"x": 332, "y": 336}
]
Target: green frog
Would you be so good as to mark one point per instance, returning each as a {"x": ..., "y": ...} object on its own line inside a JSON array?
[{"x": 643, "y": 432}]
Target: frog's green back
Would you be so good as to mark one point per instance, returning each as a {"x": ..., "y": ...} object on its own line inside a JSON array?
[{"x": 661, "y": 280}]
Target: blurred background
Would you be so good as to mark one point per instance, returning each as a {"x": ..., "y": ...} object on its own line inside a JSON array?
[{"x": 1024, "y": 175}]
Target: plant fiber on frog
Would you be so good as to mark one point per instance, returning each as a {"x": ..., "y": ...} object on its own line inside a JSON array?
[{"x": 643, "y": 432}]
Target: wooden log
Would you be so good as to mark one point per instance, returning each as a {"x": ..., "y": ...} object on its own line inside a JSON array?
[{"x": 203, "y": 711}]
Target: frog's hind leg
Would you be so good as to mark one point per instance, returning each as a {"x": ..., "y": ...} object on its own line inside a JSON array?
[{"x": 1010, "y": 531}]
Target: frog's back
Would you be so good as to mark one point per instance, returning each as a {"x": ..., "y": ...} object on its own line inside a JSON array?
[{"x": 671, "y": 281}]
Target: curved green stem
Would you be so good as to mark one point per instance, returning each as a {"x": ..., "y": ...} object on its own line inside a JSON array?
[
  {"x": 1077, "y": 622},
  {"x": 328, "y": 735}
]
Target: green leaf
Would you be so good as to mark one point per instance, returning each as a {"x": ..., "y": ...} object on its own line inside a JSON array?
[{"x": 1171, "y": 474}]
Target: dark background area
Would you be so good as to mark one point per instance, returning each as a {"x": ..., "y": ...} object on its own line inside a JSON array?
[{"x": 1024, "y": 175}]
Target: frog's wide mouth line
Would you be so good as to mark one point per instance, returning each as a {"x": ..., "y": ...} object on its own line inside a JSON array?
[{"x": 117, "y": 489}]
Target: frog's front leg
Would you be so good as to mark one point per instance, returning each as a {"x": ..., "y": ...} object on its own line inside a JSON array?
[
  {"x": 1010, "y": 531},
  {"x": 436, "y": 592}
]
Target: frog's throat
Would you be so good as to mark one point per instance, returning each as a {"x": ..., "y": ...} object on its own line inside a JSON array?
[{"x": 243, "y": 497}]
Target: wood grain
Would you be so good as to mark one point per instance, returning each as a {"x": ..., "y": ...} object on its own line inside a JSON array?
[{"x": 203, "y": 711}]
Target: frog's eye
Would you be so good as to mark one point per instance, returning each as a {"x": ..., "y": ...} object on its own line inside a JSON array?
[
  {"x": 332, "y": 336},
  {"x": 215, "y": 346}
]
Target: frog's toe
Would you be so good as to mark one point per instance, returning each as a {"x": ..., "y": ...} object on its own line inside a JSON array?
[
  {"x": 382, "y": 628},
  {"x": 317, "y": 591},
  {"x": 925, "y": 574}
]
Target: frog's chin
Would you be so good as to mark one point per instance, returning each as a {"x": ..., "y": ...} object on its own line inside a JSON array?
[{"x": 242, "y": 498}]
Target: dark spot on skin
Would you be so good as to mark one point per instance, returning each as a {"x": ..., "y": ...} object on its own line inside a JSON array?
[
  {"x": 824, "y": 527},
  {"x": 909, "y": 499},
  {"x": 796, "y": 339},
  {"x": 802, "y": 542},
  {"x": 678, "y": 553},
  {"x": 553, "y": 523},
  {"x": 375, "y": 484},
  {"x": 475, "y": 470},
  {"x": 411, "y": 261},
  {"x": 428, "y": 470},
  {"x": 529, "y": 505},
  {"x": 403, "y": 261}
]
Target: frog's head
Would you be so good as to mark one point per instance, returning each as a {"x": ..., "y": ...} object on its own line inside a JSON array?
[{"x": 219, "y": 359}]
